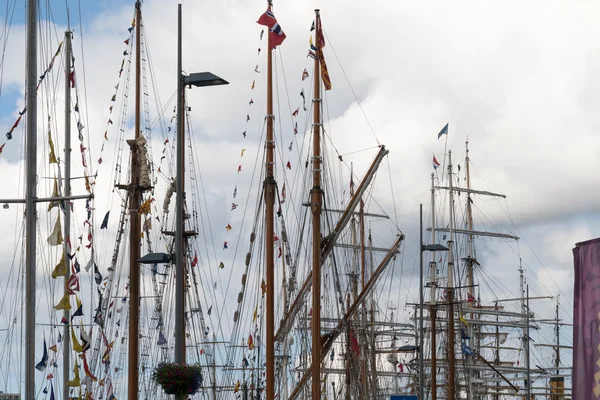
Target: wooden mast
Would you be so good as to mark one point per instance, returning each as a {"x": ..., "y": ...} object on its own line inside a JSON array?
[
  {"x": 269, "y": 186},
  {"x": 433, "y": 309},
  {"x": 450, "y": 290},
  {"x": 470, "y": 262},
  {"x": 134, "y": 228},
  {"x": 316, "y": 200}
]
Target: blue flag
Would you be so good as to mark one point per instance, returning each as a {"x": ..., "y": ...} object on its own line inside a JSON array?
[
  {"x": 105, "y": 221},
  {"x": 444, "y": 131}
]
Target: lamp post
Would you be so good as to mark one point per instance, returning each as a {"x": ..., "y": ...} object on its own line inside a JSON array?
[
  {"x": 423, "y": 247},
  {"x": 199, "y": 80}
]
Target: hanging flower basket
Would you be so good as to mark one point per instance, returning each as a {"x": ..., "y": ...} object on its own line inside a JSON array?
[{"x": 177, "y": 379}]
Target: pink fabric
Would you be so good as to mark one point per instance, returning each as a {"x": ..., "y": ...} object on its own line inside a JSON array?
[{"x": 586, "y": 320}]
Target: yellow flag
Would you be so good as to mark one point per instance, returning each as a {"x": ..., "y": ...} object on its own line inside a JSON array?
[
  {"x": 64, "y": 303},
  {"x": 463, "y": 320},
  {"x": 76, "y": 345},
  {"x": 145, "y": 207},
  {"x": 56, "y": 239},
  {"x": 88, "y": 187},
  {"x": 61, "y": 268},
  {"x": 75, "y": 382},
  {"x": 52, "y": 156},
  {"x": 53, "y": 204},
  {"x": 255, "y": 314}
]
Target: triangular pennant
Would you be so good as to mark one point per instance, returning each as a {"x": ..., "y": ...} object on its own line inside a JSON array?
[
  {"x": 41, "y": 366},
  {"x": 76, "y": 345},
  {"x": 75, "y": 382},
  {"x": 51, "y": 155},
  {"x": 53, "y": 204},
  {"x": 56, "y": 238},
  {"x": 61, "y": 268},
  {"x": 64, "y": 303}
]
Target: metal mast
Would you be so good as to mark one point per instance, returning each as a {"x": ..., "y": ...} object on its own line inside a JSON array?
[
  {"x": 470, "y": 259},
  {"x": 134, "y": 227},
  {"x": 269, "y": 186},
  {"x": 179, "y": 188},
  {"x": 450, "y": 290},
  {"x": 66, "y": 336},
  {"x": 316, "y": 200},
  {"x": 30, "y": 196}
]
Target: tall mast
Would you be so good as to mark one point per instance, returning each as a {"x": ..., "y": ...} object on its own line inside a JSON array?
[
  {"x": 450, "y": 290},
  {"x": 557, "y": 361},
  {"x": 66, "y": 336},
  {"x": 316, "y": 199},
  {"x": 374, "y": 376},
  {"x": 269, "y": 226},
  {"x": 134, "y": 227},
  {"x": 527, "y": 352},
  {"x": 470, "y": 258},
  {"x": 433, "y": 309},
  {"x": 470, "y": 262},
  {"x": 179, "y": 188},
  {"x": 363, "y": 316},
  {"x": 30, "y": 196}
]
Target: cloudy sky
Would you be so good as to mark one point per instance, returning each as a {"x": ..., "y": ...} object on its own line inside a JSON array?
[{"x": 518, "y": 79}]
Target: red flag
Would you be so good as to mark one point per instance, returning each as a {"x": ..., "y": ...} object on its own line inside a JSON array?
[
  {"x": 276, "y": 35},
  {"x": 296, "y": 112},
  {"x": 288, "y": 165},
  {"x": 354, "y": 343},
  {"x": 305, "y": 74},
  {"x": 470, "y": 298}
]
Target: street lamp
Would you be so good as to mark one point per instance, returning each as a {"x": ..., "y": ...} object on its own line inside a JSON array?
[
  {"x": 200, "y": 79},
  {"x": 155, "y": 258},
  {"x": 423, "y": 247}
]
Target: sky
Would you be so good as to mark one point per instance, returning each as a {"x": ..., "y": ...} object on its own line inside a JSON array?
[{"x": 516, "y": 79}]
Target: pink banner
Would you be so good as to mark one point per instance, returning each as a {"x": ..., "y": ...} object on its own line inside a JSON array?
[{"x": 586, "y": 321}]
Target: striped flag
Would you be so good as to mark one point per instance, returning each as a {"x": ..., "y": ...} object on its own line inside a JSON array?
[{"x": 436, "y": 164}]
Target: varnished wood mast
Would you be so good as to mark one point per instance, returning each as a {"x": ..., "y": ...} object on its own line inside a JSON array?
[
  {"x": 269, "y": 186},
  {"x": 316, "y": 205}
]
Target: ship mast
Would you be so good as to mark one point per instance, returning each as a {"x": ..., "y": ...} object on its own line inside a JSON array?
[
  {"x": 470, "y": 262},
  {"x": 433, "y": 309},
  {"x": 66, "y": 336},
  {"x": 30, "y": 196},
  {"x": 363, "y": 329},
  {"x": 557, "y": 361},
  {"x": 269, "y": 186},
  {"x": 450, "y": 290},
  {"x": 316, "y": 200},
  {"x": 470, "y": 259},
  {"x": 135, "y": 195}
]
